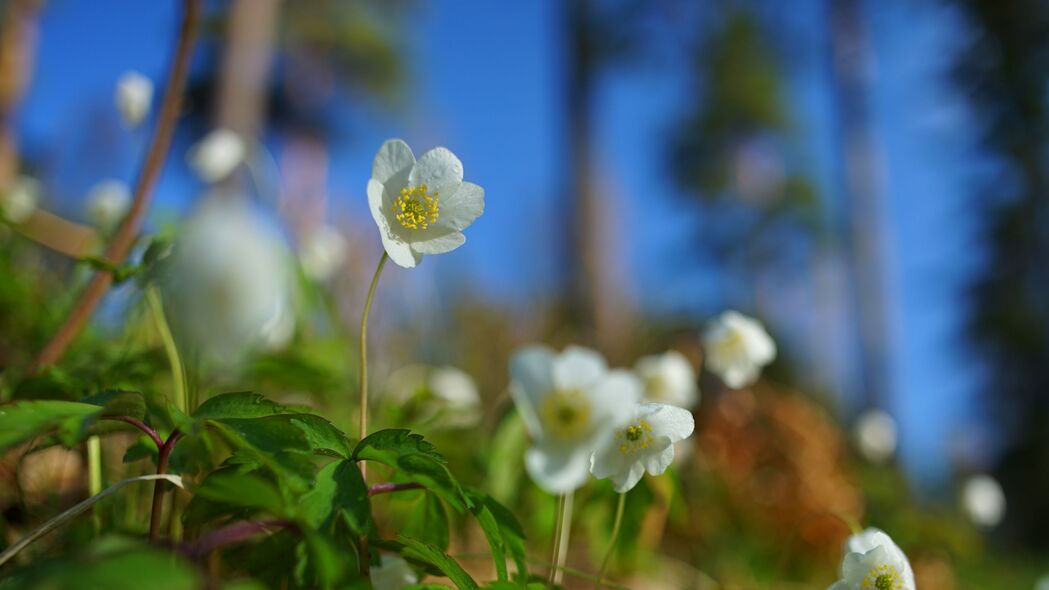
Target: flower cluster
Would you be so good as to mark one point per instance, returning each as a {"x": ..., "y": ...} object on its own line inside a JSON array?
[
  {"x": 585, "y": 418},
  {"x": 874, "y": 562}
]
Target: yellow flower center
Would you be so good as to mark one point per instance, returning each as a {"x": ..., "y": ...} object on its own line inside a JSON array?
[
  {"x": 635, "y": 437},
  {"x": 883, "y": 577},
  {"x": 565, "y": 413},
  {"x": 416, "y": 207}
]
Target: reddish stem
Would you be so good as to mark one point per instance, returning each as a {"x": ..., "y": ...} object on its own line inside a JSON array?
[
  {"x": 125, "y": 236},
  {"x": 158, "y": 488},
  {"x": 141, "y": 426},
  {"x": 387, "y": 488},
  {"x": 232, "y": 534}
]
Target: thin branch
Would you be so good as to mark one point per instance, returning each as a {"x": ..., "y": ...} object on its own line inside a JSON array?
[
  {"x": 128, "y": 231},
  {"x": 158, "y": 489},
  {"x": 141, "y": 426},
  {"x": 387, "y": 488}
]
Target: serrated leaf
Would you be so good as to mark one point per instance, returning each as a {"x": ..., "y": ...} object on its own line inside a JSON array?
[
  {"x": 239, "y": 404},
  {"x": 429, "y": 522},
  {"x": 24, "y": 420},
  {"x": 416, "y": 459},
  {"x": 427, "y": 553},
  {"x": 338, "y": 492}
]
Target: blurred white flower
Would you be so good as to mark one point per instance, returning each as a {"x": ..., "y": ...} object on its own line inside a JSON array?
[
  {"x": 216, "y": 156},
  {"x": 874, "y": 562},
  {"x": 322, "y": 252},
  {"x": 133, "y": 97},
  {"x": 737, "y": 347},
  {"x": 983, "y": 500},
  {"x": 572, "y": 405},
  {"x": 392, "y": 573},
  {"x": 875, "y": 435},
  {"x": 644, "y": 443},
  {"x": 669, "y": 379},
  {"x": 421, "y": 207},
  {"x": 21, "y": 199},
  {"x": 1042, "y": 583},
  {"x": 446, "y": 396},
  {"x": 107, "y": 203},
  {"x": 227, "y": 281}
]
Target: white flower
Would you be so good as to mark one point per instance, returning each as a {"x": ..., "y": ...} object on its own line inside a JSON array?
[
  {"x": 644, "y": 443},
  {"x": 737, "y": 347},
  {"x": 133, "y": 97},
  {"x": 983, "y": 500},
  {"x": 322, "y": 252},
  {"x": 227, "y": 281},
  {"x": 874, "y": 562},
  {"x": 20, "y": 201},
  {"x": 216, "y": 156},
  {"x": 392, "y": 573},
  {"x": 1042, "y": 583},
  {"x": 421, "y": 207},
  {"x": 107, "y": 203},
  {"x": 875, "y": 434},
  {"x": 571, "y": 404},
  {"x": 669, "y": 379}
]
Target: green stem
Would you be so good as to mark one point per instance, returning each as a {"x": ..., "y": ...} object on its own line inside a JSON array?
[
  {"x": 566, "y": 532},
  {"x": 178, "y": 371},
  {"x": 555, "y": 544},
  {"x": 612, "y": 542},
  {"x": 94, "y": 479},
  {"x": 364, "y": 350}
]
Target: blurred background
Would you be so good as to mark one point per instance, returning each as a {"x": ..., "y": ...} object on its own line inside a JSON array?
[{"x": 871, "y": 179}]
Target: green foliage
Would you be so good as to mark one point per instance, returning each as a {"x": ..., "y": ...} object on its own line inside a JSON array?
[
  {"x": 339, "y": 494},
  {"x": 69, "y": 422},
  {"x": 417, "y": 459},
  {"x": 430, "y": 555}
]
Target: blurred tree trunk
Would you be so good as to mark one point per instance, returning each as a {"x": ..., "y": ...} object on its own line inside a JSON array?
[
  {"x": 244, "y": 75},
  {"x": 18, "y": 38},
  {"x": 863, "y": 187},
  {"x": 594, "y": 303}
]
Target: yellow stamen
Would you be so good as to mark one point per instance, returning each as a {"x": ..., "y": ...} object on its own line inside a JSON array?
[
  {"x": 883, "y": 577},
  {"x": 637, "y": 436},
  {"x": 416, "y": 207},
  {"x": 565, "y": 413}
]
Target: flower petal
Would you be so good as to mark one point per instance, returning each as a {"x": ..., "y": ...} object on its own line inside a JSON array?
[
  {"x": 616, "y": 396},
  {"x": 393, "y": 157},
  {"x": 669, "y": 421},
  {"x": 399, "y": 250},
  {"x": 625, "y": 481},
  {"x": 557, "y": 470},
  {"x": 439, "y": 170},
  {"x": 531, "y": 378},
  {"x": 578, "y": 368},
  {"x": 461, "y": 208},
  {"x": 656, "y": 461},
  {"x": 440, "y": 244}
]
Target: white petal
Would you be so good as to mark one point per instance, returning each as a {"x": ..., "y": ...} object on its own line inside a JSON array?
[
  {"x": 439, "y": 170},
  {"x": 657, "y": 462},
  {"x": 531, "y": 378},
  {"x": 399, "y": 250},
  {"x": 440, "y": 244},
  {"x": 557, "y": 470},
  {"x": 840, "y": 585},
  {"x": 617, "y": 396},
  {"x": 578, "y": 368},
  {"x": 461, "y": 208},
  {"x": 625, "y": 481},
  {"x": 668, "y": 421},
  {"x": 394, "y": 157}
]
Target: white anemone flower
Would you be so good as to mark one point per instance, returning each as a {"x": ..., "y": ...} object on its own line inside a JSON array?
[
  {"x": 983, "y": 500},
  {"x": 644, "y": 443},
  {"x": 228, "y": 282},
  {"x": 669, "y": 379},
  {"x": 421, "y": 207},
  {"x": 874, "y": 562},
  {"x": 133, "y": 97},
  {"x": 107, "y": 203},
  {"x": 875, "y": 435},
  {"x": 392, "y": 573},
  {"x": 322, "y": 252},
  {"x": 445, "y": 395},
  {"x": 20, "y": 201},
  {"x": 737, "y": 347},
  {"x": 571, "y": 404},
  {"x": 216, "y": 156}
]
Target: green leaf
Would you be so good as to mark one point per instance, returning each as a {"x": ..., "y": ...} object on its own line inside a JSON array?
[
  {"x": 242, "y": 490},
  {"x": 429, "y": 522},
  {"x": 25, "y": 420},
  {"x": 338, "y": 492},
  {"x": 503, "y": 532},
  {"x": 427, "y": 553},
  {"x": 417, "y": 460},
  {"x": 321, "y": 564},
  {"x": 115, "y": 402},
  {"x": 241, "y": 404}
]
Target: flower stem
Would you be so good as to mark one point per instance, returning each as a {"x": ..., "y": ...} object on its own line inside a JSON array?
[
  {"x": 616, "y": 523},
  {"x": 94, "y": 478},
  {"x": 562, "y": 532},
  {"x": 389, "y": 488},
  {"x": 158, "y": 489},
  {"x": 364, "y": 351},
  {"x": 178, "y": 371},
  {"x": 556, "y": 542}
]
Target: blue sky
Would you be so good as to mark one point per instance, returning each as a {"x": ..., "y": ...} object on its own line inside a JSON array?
[{"x": 485, "y": 80}]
